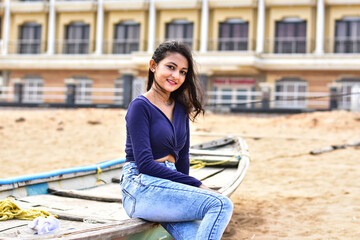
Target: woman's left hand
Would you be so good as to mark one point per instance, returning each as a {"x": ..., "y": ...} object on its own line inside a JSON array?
[{"x": 202, "y": 186}]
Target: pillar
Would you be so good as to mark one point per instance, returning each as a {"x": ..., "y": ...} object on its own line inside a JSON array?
[
  {"x": 6, "y": 30},
  {"x": 51, "y": 31},
  {"x": 320, "y": 20},
  {"x": 99, "y": 27},
  {"x": 70, "y": 91},
  {"x": 260, "y": 33},
  {"x": 152, "y": 22},
  {"x": 18, "y": 90},
  {"x": 127, "y": 93},
  {"x": 204, "y": 26}
]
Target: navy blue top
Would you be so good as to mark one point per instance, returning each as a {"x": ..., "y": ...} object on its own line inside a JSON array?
[{"x": 151, "y": 135}]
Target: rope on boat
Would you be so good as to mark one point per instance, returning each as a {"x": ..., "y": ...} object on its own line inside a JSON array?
[
  {"x": 9, "y": 210},
  {"x": 198, "y": 164}
]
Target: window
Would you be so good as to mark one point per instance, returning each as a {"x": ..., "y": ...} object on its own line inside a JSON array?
[
  {"x": 233, "y": 35},
  {"x": 30, "y": 38},
  {"x": 347, "y": 35},
  {"x": 33, "y": 90},
  {"x": 83, "y": 90},
  {"x": 127, "y": 37},
  {"x": 181, "y": 30},
  {"x": 347, "y": 85},
  {"x": 291, "y": 93},
  {"x": 290, "y": 36},
  {"x": 77, "y": 38}
]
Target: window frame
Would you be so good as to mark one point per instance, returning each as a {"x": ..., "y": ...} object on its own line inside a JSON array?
[
  {"x": 77, "y": 45},
  {"x": 298, "y": 44},
  {"x": 188, "y": 27},
  {"x": 32, "y": 44},
  {"x": 127, "y": 44},
  {"x": 232, "y": 43},
  {"x": 33, "y": 90},
  {"x": 288, "y": 99}
]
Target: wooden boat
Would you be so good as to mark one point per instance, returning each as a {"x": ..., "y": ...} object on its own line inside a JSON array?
[{"x": 87, "y": 200}]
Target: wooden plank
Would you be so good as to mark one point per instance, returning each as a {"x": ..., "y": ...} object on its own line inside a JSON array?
[
  {"x": 221, "y": 179},
  {"x": 106, "y": 193},
  {"x": 223, "y": 153},
  {"x": 87, "y": 209},
  {"x": 204, "y": 173},
  {"x": 215, "y": 143}
]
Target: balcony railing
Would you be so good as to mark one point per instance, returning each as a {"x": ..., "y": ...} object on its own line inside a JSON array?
[
  {"x": 74, "y": 46},
  {"x": 231, "y": 44},
  {"x": 121, "y": 46},
  {"x": 26, "y": 46},
  {"x": 189, "y": 41},
  {"x": 343, "y": 45},
  {"x": 289, "y": 45}
]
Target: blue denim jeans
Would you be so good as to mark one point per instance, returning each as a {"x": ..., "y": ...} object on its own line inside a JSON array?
[{"x": 186, "y": 212}]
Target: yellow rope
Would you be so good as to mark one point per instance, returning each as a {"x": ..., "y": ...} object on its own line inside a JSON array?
[
  {"x": 198, "y": 164},
  {"x": 9, "y": 210},
  {"x": 98, "y": 174}
]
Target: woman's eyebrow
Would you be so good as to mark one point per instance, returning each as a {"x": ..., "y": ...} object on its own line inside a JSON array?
[{"x": 177, "y": 65}]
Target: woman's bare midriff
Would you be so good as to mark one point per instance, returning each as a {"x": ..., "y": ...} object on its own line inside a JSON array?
[{"x": 168, "y": 158}]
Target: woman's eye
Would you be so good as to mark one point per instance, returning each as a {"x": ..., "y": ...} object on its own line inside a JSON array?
[
  {"x": 171, "y": 67},
  {"x": 183, "y": 72}
]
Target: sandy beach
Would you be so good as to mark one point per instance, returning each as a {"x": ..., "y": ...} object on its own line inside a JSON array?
[{"x": 288, "y": 193}]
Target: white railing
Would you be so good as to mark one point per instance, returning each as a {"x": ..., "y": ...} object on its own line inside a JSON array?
[{"x": 237, "y": 99}]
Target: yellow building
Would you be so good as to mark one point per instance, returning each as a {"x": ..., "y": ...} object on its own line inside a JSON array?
[{"x": 292, "y": 50}]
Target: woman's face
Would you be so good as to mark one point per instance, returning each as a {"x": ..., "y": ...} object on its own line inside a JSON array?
[{"x": 170, "y": 73}]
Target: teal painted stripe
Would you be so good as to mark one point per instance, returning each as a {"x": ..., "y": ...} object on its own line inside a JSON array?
[
  {"x": 36, "y": 189},
  {"x": 153, "y": 234}
]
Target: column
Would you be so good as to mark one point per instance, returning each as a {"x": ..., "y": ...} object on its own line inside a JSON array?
[
  {"x": 18, "y": 90},
  {"x": 320, "y": 22},
  {"x": 333, "y": 104},
  {"x": 6, "y": 31},
  {"x": 204, "y": 81},
  {"x": 51, "y": 32},
  {"x": 127, "y": 93},
  {"x": 204, "y": 26},
  {"x": 260, "y": 27},
  {"x": 152, "y": 20},
  {"x": 70, "y": 91},
  {"x": 99, "y": 28}
]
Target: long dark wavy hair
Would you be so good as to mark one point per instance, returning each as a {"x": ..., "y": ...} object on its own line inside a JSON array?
[{"x": 191, "y": 93}]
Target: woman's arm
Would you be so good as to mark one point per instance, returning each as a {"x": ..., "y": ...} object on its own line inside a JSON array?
[{"x": 138, "y": 121}]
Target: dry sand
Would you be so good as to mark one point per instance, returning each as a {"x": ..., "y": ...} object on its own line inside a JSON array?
[{"x": 287, "y": 193}]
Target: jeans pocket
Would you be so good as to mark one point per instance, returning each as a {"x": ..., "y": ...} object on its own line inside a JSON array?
[{"x": 128, "y": 203}]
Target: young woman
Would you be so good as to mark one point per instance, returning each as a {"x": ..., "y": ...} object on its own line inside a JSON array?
[{"x": 155, "y": 181}]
